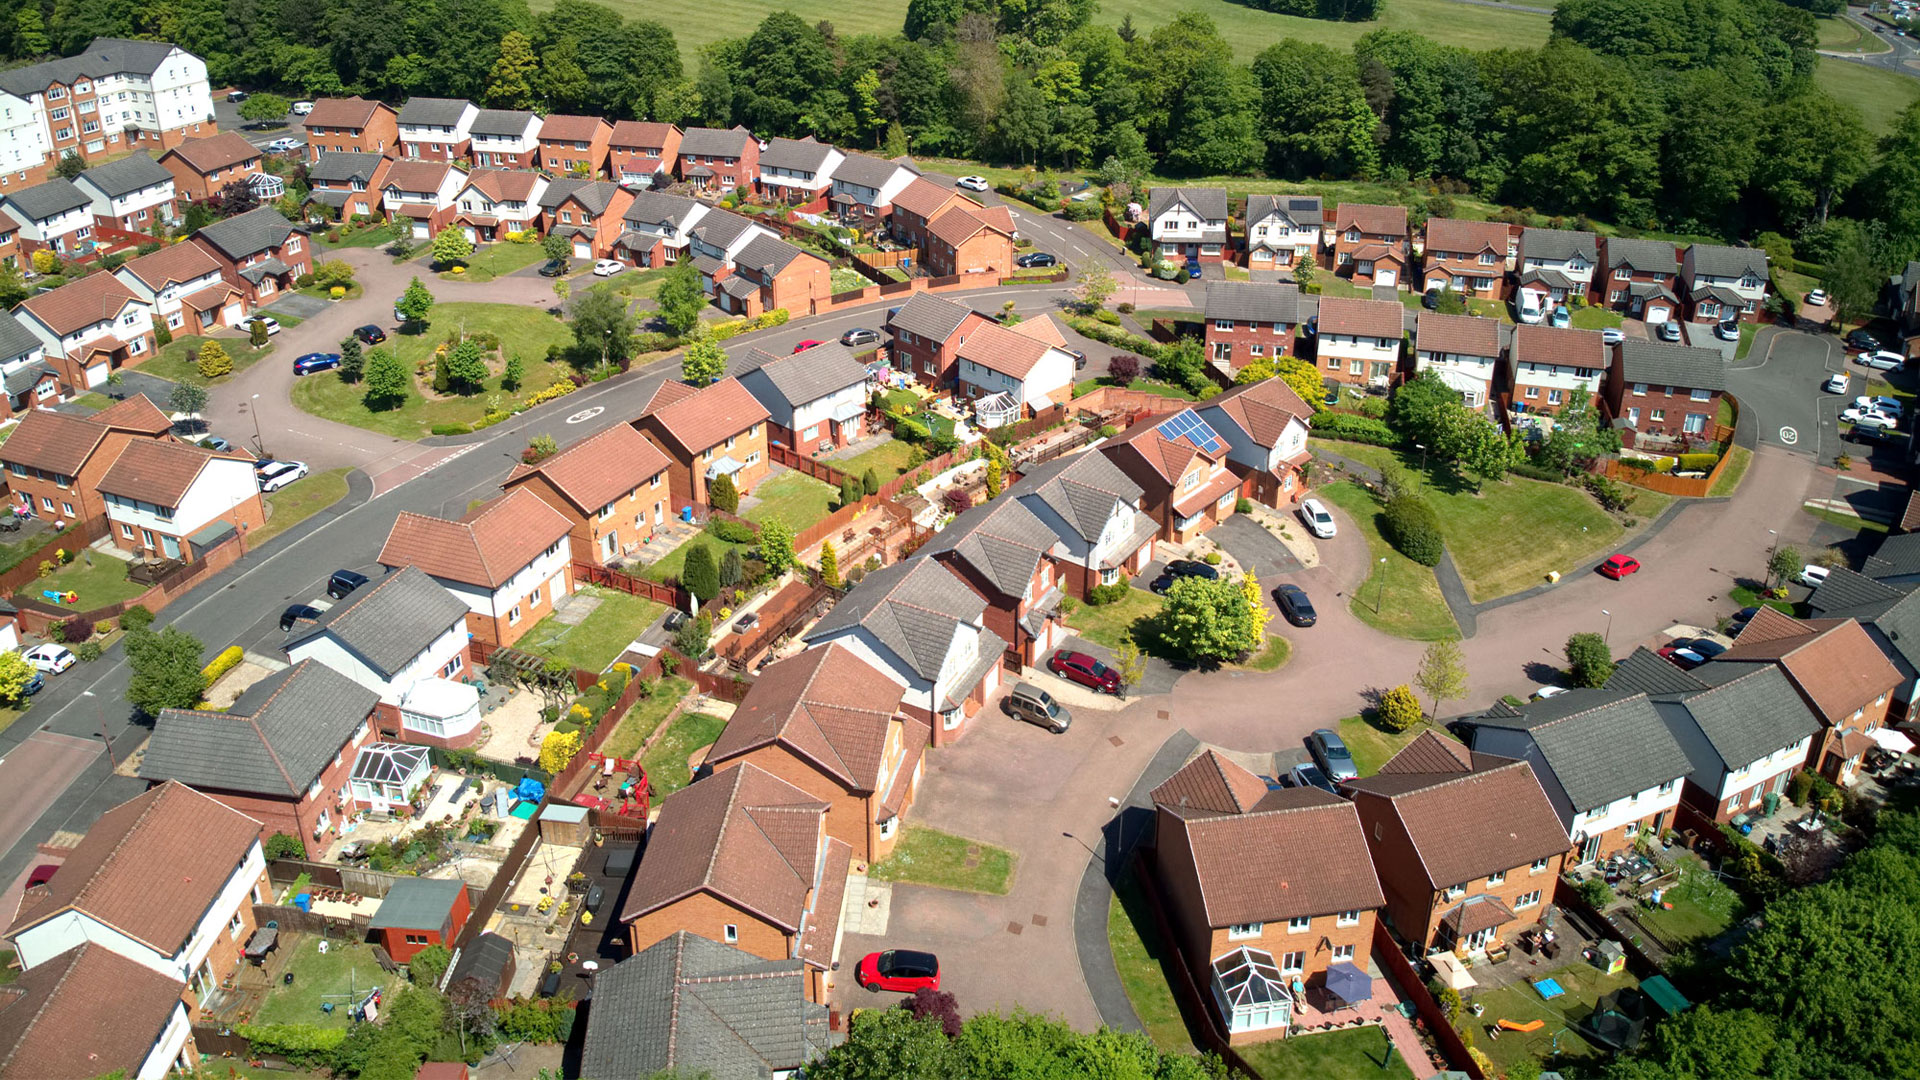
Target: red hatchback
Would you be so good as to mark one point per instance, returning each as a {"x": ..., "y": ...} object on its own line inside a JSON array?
[
  {"x": 899, "y": 969},
  {"x": 805, "y": 345},
  {"x": 1085, "y": 670},
  {"x": 1619, "y": 566}
]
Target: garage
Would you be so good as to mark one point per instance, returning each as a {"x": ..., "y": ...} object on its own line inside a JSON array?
[
  {"x": 1658, "y": 313},
  {"x": 582, "y": 249},
  {"x": 1386, "y": 276},
  {"x": 420, "y": 230},
  {"x": 233, "y": 313},
  {"x": 97, "y": 373}
]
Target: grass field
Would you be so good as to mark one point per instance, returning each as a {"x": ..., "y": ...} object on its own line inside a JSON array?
[
  {"x": 1400, "y": 597},
  {"x": 887, "y": 460},
  {"x": 299, "y": 501},
  {"x": 793, "y": 497},
  {"x": 1703, "y": 908},
  {"x": 645, "y": 715},
  {"x": 1836, "y": 34},
  {"x": 598, "y": 639},
  {"x": 1140, "y": 957},
  {"x": 345, "y": 968},
  {"x": 1109, "y": 624},
  {"x": 103, "y": 583},
  {"x": 1879, "y": 94},
  {"x": 926, "y": 856},
  {"x": 1333, "y": 1055},
  {"x": 666, "y": 762},
  {"x": 669, "y": 567}
]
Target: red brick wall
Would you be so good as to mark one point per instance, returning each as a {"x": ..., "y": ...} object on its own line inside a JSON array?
[
  {"x": 1240, "y": 340},
  {"x": 298, "y": 817},
  {"x": 381, "y": 134},
  {"x": 1674, "y": 407},
  {"x": 802, "y": 285}
]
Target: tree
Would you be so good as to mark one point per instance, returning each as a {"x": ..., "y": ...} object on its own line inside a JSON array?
[
  {"x": 1443, "y": 674},
  {"x": 701, "y": 574},
  {"x": 733, "y": 568},
  {"x": 1589, "y": 661},
  {"x": 1853, "y": 274},
  {"x": 451, "y": 247},
  {"x": 187, "y": 398},
  {"x": 166, "y": 670},
  {"x": 1577, "y": 437},
  {"x": 387, "y": 381},
  {"x": 469, "y": 1008},
  {"x": 602, "y": 325},
  {"x": 1475, "y": 445},
  {"x": 257, "y": 334},
  {"x": 870, "y": 481},
  {"x": 704, "y": 362},
  {"x": 556, "y": 247},
  {"x": 15, "y": 674},
  {"x": 829, "y": 565},
  {"x": 1304, "y": 379},
  {"x": 514, "y": 374},
  {"x": 995, "y": 474},
  {"x": 1123, "y": 369},
  {"x": 776, "y": 545},
  {"x": 681, "y": 299},
  {"x": 562, "y": 290},
  {"x": 1450, "y": 302},
  {"x": 353, "y": 360},
  {"x": 1184, "y": 364},
  {"x": 284, "y": 846},
  {"x": 1096, "y": 286},
  {"x": 261, "y": 107},
  {"x": 851, "y": 491},
  {"x": 557, "y": 750},
  {"x": 30, "y": 32},
  {"x": 13, "y": 287},
  {"x": 428, "y": 965},
  {"x": 1250, "y": 586},
  {"x": 213, "y": 361},
  {"x": 416, "y": 302},
  {"x": 1892, "y": 189},
  {"x": 510, "y": 84},
  {"x": 1399, "y": 709},
  {"x": 694, "y": 634},
  {"x": 723, "y": 495},
  {"x": 1783, "y": 564},
  {"x": 890, "y": 1044},
  {"x": 70, "y": 165},
  {"x": 1314, "y": 112},
  {"x": 939, "y": 1006},
  {"x": 1129, "y": 664},
  {"x": 1208, "y": 621},
  {"x": 467, "y": 367},
  {"x": 1418, "y": 411}
]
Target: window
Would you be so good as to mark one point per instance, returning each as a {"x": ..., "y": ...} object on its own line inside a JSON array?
[
  {"x": 1342, "y": 952},
  {"x": 234, "y": 926},
  {"x": 1622, "y": 274},
  {"x": 416, "y": 939},
  {"x": 447, "y": 669},
  {"x": 1531, "y": 392},
  {"x": 1658, "y": 415},
  {"x": 1347, "y": 918},
  {"x": 1256, "y": 350},
  {"x": 1495, "y": 879},
  {"x": 1243, "y": 931},
  {"x": 1299, "y": 924},
  {"x": 731, "y": 933},
  {"x": 1527, "y": 900},
  {"x": 1293, "y": 963},
  {"x": 1639, "y": 389},
  {"x": 1554, "y": 397},
  {"x": 126, "y": 530},
  {"x": 1454, "y": 892},
  {"x": 513, "y": 616},
  {"x": 1537, "y": 866},
  {"x": 1223, "y": 324},
  {"x": 1632, "y": 830},
  {"x": 66, "y": 508}
]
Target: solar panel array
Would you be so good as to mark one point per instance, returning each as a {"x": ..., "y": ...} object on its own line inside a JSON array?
[{"x": 1189, "y": 426}]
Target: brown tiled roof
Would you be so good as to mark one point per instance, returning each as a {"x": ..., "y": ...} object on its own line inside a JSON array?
[
  {"x": 87, "y": 1012},
  {"x": 639, "y": 134},
  {"x": 960, "y": 223},
  {"x": 1168, "y": 458},
  {"x": 925, "y": 198},
  {"x": 348, "y": 112},
  {"x": 1262, "y": 409},
  {"x": 1302, "y": 854},
  {"x": 1378, "y": 220},
  {"x": 1769, "y": 624},
  {"x": 913, "y": 745},
  {"x": 1430, "y": 752},
  {"x": 1910, "y": 517},
  {"x": 77, "y": 305},
  {"x": 599, "y": 470},
  {"x": 1475, "y": 914},
  {"x": 1837, "y": 666},
  {"x": 571, "y": 128},
  {"x": 156, "y": 471},
  {"x": 994, "y": 346},
  {"x": 137, "y": 413},
  {"x": 1211, "y": 784},
  {"x": 1562, "y": 345},
  {"x": 487, "y": 547},
  {"x": 1466, "y": 237},
  {"x": 171, "y": 264},
  {"x": 215, "y": 152},
  {"x": 816, "y": 946},
  {"x": 1041, "y": 328},
  {"x": 150, "y": 867},
  {"x": 826, "y": 706},
  {"x": 1365, "y": 318},
  {"x": 710, "y": 415},
  {"x": 742, "y": 834},
  {"x": 504, "y": 185},
  {"x": 52, "y": 442},
  {"x": 409, "y": 174},
  {"x": 666, "y": 394},
  {"x": 1460, "y": 335},
  {"x": 1469, "y": 825}
]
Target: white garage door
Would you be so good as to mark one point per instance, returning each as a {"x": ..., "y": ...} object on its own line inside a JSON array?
[
  {"x": 1386, "y": 277},
  {"x": 1658, "y": 314},
  {"x": 232, "y": 314},
  {"x": 472, "y": 236},
  {"x": 97, "y": 374},
  {"x": 420, "y": 230},
  {"x": 582, "y": 249}
]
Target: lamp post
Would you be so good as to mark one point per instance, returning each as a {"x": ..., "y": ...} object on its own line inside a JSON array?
[
  {"x": 1422, "y": 447},
  {"x": 1607, "y": 638},
  {"x": 253, "y": 410},
  {"x": 1380, "y": 593},
  {"x": 108, "y": 739}
]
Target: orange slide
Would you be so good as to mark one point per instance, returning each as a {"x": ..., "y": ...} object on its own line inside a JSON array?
[{"x": 1515, "y": 1025}]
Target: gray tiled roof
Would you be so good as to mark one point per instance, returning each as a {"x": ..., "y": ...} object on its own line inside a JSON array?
[
  {"x": 659, "y": 208},
  {"x": 1678, "y": 366},
  {"x": 264, "y": 269},
  {"x": 1651, "y": 290},
  {"x": 802, "y": 377},
  {"x": 1718, "y": 260},
  {"x": 1082, "y": 489},
  {"x": 1897, "y": 556},
  {"x": 912, "y": 607},
  {"x": 417, "y": 904},
  {"x": 1545, "y": 275},
  {"x": 1644, "y": 672},
  {"x": 1600, "y": 745},
  {"x": 738, "y": 285},
  {"x": 1306, "y": 211},
  {"x": 595, "y": 195},
  {"x": 389, "y": 624},
  {"x": 275, "y": 740},
  {"x": 433, "y": 112},
  {"x": 128, "y": 175},
  {"x": 1002, "y": 539},
  {"x": 768, "y": 254},
  {"x": 501, "y": 122},
  {"x": 932, "y": 317},
  {"x": 798, "y": 155},
  {"x": 1748, "y": 717},
  {"x": 1846, "y": 594},
  {"x": 1251, "y": 301},
  {"x": 249, "y": 233},
  {"x": 104, "y": 56},
  {"x": 869, "y": 172},
  {"x": 715, "y": 142},
  {"x": 49, "y": 199},
  {"x": 719, "y": 228},
  {"x": 1209, "y": 204},
  {"x": 1558, "y": 244},
  {"x": 15, "y": 339},
  {"x": 691, "y": 1002},
  {"x": 23, "y": 380},
  {"x": 334, "y": 197},
  {"x": 1647, "y": 256},
  {"x": 343, "y": 166}
]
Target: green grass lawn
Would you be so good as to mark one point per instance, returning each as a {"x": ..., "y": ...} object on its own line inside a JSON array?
[
  {"x": 1595, "y": 318},
  {"x": 887, "y": 460},
  {"x": 345, "y": 968},
  {"x": 367, "y": 237},
  {"x": 1110, "y": 624},
  {"x": 1145, "y": 386},
  {"x": 597, "y": 640},
  {"x": 1745, "y": 597},
  {"x": 1486, "y": 309},
  {"x": 97, "y": 401},
  {"x": 8, "y": 714},
  {"x": 1354, "y": 1054},
  {"x": 1141, "y": 958},
  {"x": 1399, "y": 597},
  {"x": 634, "y": 284},
  {"x": 103, "y": 583},
  {"x": 1847, "y": 521},
  {"x": 1584, "y": 985},
  {"x": 1747, "y": 330},
  {"x": 646, "y": 714},
  {"x": 179, "y": 360},
  {"x": 523, "y": 329},
  {"x": 1739, "y": 458},
  {"x": 1272, "y": 658},
  {"x": 1373, "y": 745},
  {"x": 668, "y": 568},
  {"x": 666, "y": 762},
  {"x": 1703, "y": 908},
  {"x": 927, "y": 856},
  {"x": 793, "y": 497},
  {"x": 299, "y": 501},
  {"x": 1836, "y": 34},
  {"x": 847, "y": 279},
  {"x": 7, "y": 973},
  {"x": 1879, "y": 94},
  {"x": 355, "y": 291},
  {"x": 495, "y": 260}
]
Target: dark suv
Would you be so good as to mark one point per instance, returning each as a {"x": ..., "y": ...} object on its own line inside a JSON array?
[{"x": 343, "y": 582}]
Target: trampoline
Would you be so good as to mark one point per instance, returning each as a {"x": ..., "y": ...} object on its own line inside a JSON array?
[{"x": 1549, "y": 988}]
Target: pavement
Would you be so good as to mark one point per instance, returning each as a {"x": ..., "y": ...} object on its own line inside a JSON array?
[{"x": 1903, "y": 55}]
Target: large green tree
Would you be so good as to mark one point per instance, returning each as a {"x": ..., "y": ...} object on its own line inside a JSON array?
[
  {"x": 166, "y": 670},
  {"x": 680, "y": 298},
  {"x": 602, "y": 326},
  {"x": 1208, "y": 621},
  {"x": 387, "y": 380},
  {"x": 704, "y": 362},
  {"x": 1314, "y": 112}
]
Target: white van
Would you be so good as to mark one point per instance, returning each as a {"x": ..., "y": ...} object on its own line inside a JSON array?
[{"x": 1532, "y": 306}]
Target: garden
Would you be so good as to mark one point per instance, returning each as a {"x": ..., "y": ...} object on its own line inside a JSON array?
[
  {"x": 597, "y": 640},
  {"x": 179, "y": 360},
  {"x": 666, "y": 760},
  {"x": 795, "y": 498},
  {"x": 1353, "y": 1053},
  {"x": 1555, "y": 1044},
  {"x": 341, "y": 977},
  {"x": 927, "y": 856},
  {"x": 1142, "y": 960},
  {"x": 645, "y": 716},
  {"x": 96, "y": 580}
]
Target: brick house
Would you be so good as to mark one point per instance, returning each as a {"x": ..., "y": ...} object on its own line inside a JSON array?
[
  {"x": 713, "y": 431},
  {"x": 828, "y": 723},
  {"x": 575, "y": 145},
  {"x": 505, "y": 139},
  {"x": 508, "y": 560},
  {"x": 404, "y": 638},
  {"x": 26, "y": 379},
  {"x": 1464, "y": 350},
  {"x": 864, "y": 187},
  {"x": 1549, "y": 368},
  {"x": 719, "y": 159},
  {"x": 493, "y": 203},
  {"x": 1371, "y": 243},
  {"x": 1556, "y": 265},
  {"x": 643, "y": 153},
  {"x": 969, "y": 239},
  {"x": 424, "y": 192},
  {"x": 1263, "y": 888},
  {"x": 174, "y": 500},
  {"x": 797, "y": 171},
  {"x": 611, "y": 487},
  {"x": 1101, "y": 536},
  {"x": 1664, "y": 392},
  {"x": 1265, "y": 426},
  {"x": 53, "y": 214},
  {"x": 927, "y": 332},
  {"x": 1027, "y": 361},
  {"x": 1180, "y": 463},
  {"x": 717, "y": 240},
  {"x": 1248, "y": 321},
  {"x": 1282, "y": 230},
  {"x": 1889, "y": 615},
  {"x": 351, "y": 124},
  {"x": 436, "y": 129},
  {"x": 420, "y": 912},
  {"x": 656, "y": 228},
  {"x": 261, "y": 253},
  {"x": 186, "y": 288},
  {"x": 90, "y": 1009},
  {"x": 815, "y": 400},
  {"x": 744, "y": 858},
  {"x": 1470, "y": 257},
  {"x": 769, "y": 273},
  {"x": 91, "y": 327},
  {"x": 131, "y": 194},
  {"x": 55, "y": 460},
  {"x": 1467, "y": 844},
  {"x": 348, "y": 183},
  {"x": 1358, "y": 341},
  {"x": 1723, "y": 284},
  {"x": 1605, "y": 758},
  {"x": 1641, "y": 278},
  {"x": 203, "y": 168},
  {"x": 280, "y": 754},
  {"x": 1189, "y": 223},
  {"x": 586, "y": 211},
  {"x": 917, "y": 206}
]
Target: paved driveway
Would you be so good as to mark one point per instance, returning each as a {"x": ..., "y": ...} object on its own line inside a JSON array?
[
  {"x": 1253, "y": 547},
  {"x": 1778, "y": 385},
  {"x": 298, "y": 305}
]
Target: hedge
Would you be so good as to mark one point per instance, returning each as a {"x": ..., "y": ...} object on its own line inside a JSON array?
[
  {"x": 301, "y": 1044},
  {"x": 228, "y": 659},
  {"x": 1354, "y": 428},
  {"x": 1534, "y": 471},
  {"x": 732, "y": 532},
  {"x": 1698, "y": 462},
  {"x": 1114, "y": 336},
  {"x": 1413, "y": 529},
  {"x": 452, "y": 429}
]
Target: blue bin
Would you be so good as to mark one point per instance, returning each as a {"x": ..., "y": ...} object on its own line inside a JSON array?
[{"x": 303, "y": 901}]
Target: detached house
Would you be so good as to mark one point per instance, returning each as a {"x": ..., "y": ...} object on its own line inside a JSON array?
[
  {"x": 1370, "y": 243},
  {"x": 719, "y": 159},
  {"x": 1839, "y": 672},
  {"x": 1265, "y": 426},
  {"x": 1724, "y": 284},
  {"x": 1189, "y": 224},
  {"x": 917, "y": 206},
  {"x": 717, "y": 430},
  {"x": 1550, "y": 368},
  {"x": 495, "y": 202},
  {"x": 656, "y": 227},
  {"x": 588, "y": 212},
  {"x": 927, "y": 333},
  {"x": 1889, "y": 615},
  {"x": 280, "y": 754},
  {"x": 1470, "y": 257},
  {"x": 347, "y": 125},
  {"x": 643, "y": 153},
  {"x": 91, "y": 1009},
  {"x": 1027, "y": 361},
  {"x": 186, "y": 288},
  {"x": 55, "y": 460},
  {"x": 1664, "y": 391},
  {"x": 967, "y": 238},
  {"x": 436, "y": 129},
  {"x": 1641, "y": 278},
  {"x": 1464, "y": 350},
  {"x": 575, "y": 145},
  {"x": 91, "y": 327},
  {"x": 1180, "y": 464},
  {"x": 1248, "y": 321},
  {"x": 1359, "y": 341},
  {"x": 423, "y": 192},
  {"x": 1265, "y": 889},
  {"x": 505, "y": 139},
  {"x": 349, "y": 183},
  {"x": 26, "y": 379},
  {"x": 611, "y": 487},
  {"x": 770, "y": 273},
  {"x": 1556, "y": 265},
  {"x": 130, "y": 194},
  {"x": 797, "y": 171},
  {"x": 53, "y": 214},
  {"x": 175, "y": 500},
  {"x": 1093, "y": 509},
  {"x": 260, "y": 252},
  {"x": 828, "y": 723},
  {"x": 1282, "y": 230},
  {"x": 506, "y": 559},
  {"x": 203, "y": 168},
  {"x": 815, "y": 400},
  {"x": 864, "y": 187},
  {"x": 717, "y": 240}
]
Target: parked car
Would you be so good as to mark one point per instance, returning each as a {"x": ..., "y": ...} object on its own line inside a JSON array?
[
  {"x": 343, "y": 582},
  {"x": 49, "y": 658},
  {"x": 1817, "y": 298},
  {"x": 1178, "y": 569},
  {"x": 1307, "y": 774},
  {"x": 1681, "y": 657},
  {"x": 1034, "y": 705},
  {"x": 1892, "y": 406},
  {"x": 285, "y": 144},
  {"x": 1294, "y": 605},
  {"x": 1430, "y": 299},
  {"x": 1033, "y": 259},
  {"x": 297, "y": 613},
  {"x": 301, "y": 108},
  {"x": 34, "y": 685},
  {"x": 1561, "y": 318},
  {"x": 1706, "y": 647},
  {"x": 608, "y": 267},
  {"x": 1860, "y": 339},
  {"x": 860, "y": 335},
  {"x": 1813, "y": 576},
  {"x": 1868, "y": 418},
  {"x": 1318, "y": 520},
  {"x": 1740, "y": 620},
  {"x": 272, "y": 324},
  {"x": 370, "y": 334},
  {"x": 1869, "y": 435},
  {"x": 280, "y": 475},
  {"x": 899, "y": 969},
  {"x": 1727, "y": 331},
  {"x": 554, "y": 267},
  {"x": 807, "y": 344},
  {"x": 216, "y": 444},
  {"x": 236, "y": 95},
  {"x": 1542, "y": 693},
  {"x": 973, "y": 183},
  {"x": 1331, "y": 754},
  {"x": 1669, "y": 331},
  {"x": 1193, "y": 266},
  {"x": 1612, "y": 335},
  {"x": 316, "y": 361},
  {"x": 1619, "y": 566},
  {"x": 1837, "y": 383},
  {"x": 1085, "y": 670},
  {"x": 1881, "y": 360}
]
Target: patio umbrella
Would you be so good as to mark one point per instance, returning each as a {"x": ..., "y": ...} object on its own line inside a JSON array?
[
  {"x": 1450, "y": 971},
  {"x": 1349, "y": 983}
]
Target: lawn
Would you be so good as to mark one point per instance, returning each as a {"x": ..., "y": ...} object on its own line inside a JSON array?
[
  {"x": 668, "y": 568},
  {"x": 1703, "y": 908},
  {"x": 1486, "y": 309},
  {"x": 1399, "y": 597},
  {"x": 1595, "y": 318},
  {"x": 646, "y": 714},
  {"x": 1847, "y": 521},
  {"x": 666, "y": 761},
  {"x": 1584, "y": 985},
  {"x": 1746, "y": 598},
  {"x": 299, "y": 501},
  {"x": 179, "y": 361},
  {"x": 1747, "y": 330},
  {"x": 1141, "y": 959},
  {"x": 375, "y": 236},
  {"x": 1353, "y": 1054},
  {"x": 597, "y": 640},
  {"x": 1739, "y": 458},
  {"x": 103, "y": 583},
  {"x": 793, "y": 497},
  {"x": 342, "y": 974},
  {"x": 1272, "y": 658},
  {"x": 847, "y": 279},
  {"x": 1879, "y": 94},
  {"x": 643, "y": 284},
  {"x": 1145, "y": 386},
  {"x": 496, "y": 260},
  {"x": 523, "y": 329},
  {"x": 1110, "y": 624},
  {"x": 887, "y": 460},
  {"x": 97, "y": 401},
  {"x": 927, "y": 856},
  {"x": 8, "y": 714},
  {"x": 7, "y": 973},
  {"x": 1373, "y": 745},
  {"x": 1837, "y": 34}
]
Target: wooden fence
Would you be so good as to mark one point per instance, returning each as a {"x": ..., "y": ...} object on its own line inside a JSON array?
[
  {"x": 1388, "y": 953},
  {"x": 76, "y": 535},
  {"x": 671, "y": 595},
  {"x": 503, "y": 881},
  {"x": 292, "y": 919},
  {"x": 794, "y": 604},
  {"x": 1667, "y": 483}
]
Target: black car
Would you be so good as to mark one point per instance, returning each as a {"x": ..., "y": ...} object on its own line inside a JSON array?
[
  {"x": 1860, "y": 339},
  {"x": 1430, "y": 299},
  {"x": 237, "y": 96},
  {"x": 343, "y": 582},
  {"x": 370, "y": 334},
  {"x": 860, "y": 335},
  {"x": 1295, "y": 605},
  {"x": 297, "y": 613},
  {"x": 1034, "y": 259},
  {"x": 1180, "y": 568},
  {"x": 553, "y": 268}
]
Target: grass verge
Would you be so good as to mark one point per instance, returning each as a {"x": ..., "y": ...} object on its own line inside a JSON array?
[
  {"x": 1738, "y": 458},
  {"x": 1400, "y": 596},
  {"x": 644, "y": 717},
  {"x": 496, "y": 260},
  {"x": 1879, "y": 94},
  {"x": 927, "y": 856},
  {"x": 297, "y": 502},
  {"x": 597, "y": 640},
  {"x": 1141, "y": 958},
  {"x": 179, "y": 360},
  {"x": 1110, "y": 624},
  {"x": 1271, "y": 658},
  {"x": 1847, "y": 521},
  {"x": 666, "y": 760}
]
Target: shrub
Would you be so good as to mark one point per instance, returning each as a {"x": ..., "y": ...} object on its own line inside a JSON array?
[
  {"x": 1589, "y": 661},
  {"x": 560, "y": 388},
  {"x": 1399, "y": 709},
  {"x": 1348, "y": 426},
  {"x": 957, "y": 501},
  {"x": 1213, "y": 558},
  {"x": 136, "y": 617},
  {"x": 455, "y": 429},
  {"x": 1102, "y": 595},
  {"x": 723, "y": 495},
  {"x": 1596, "y": 893},
  {"x": 228, "y": 659},
  {"x": 1124, "y": 308},
  {"x": 428, "y": 965},
  {"x": 732, "y": 532},
  {"x": 1610, "y": 494},
  {"x": 303, "y": 1045},
  {"x": 1123, "y": 368},
  {"x": 283, "y": 846},
  {"x": 1413, "y": 529},
  {"x": 87, "y": 651},
  {"x": 1533, "y": 470},
  {"x": 78, "y": 628},
  {"x": 1111, "y": 318},
  {"x": 1698, "y": 462}
]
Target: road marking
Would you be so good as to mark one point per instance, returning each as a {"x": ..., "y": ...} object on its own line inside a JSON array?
[
  {"x": 1789, "y": 436},
  {"x": 585, "y": 415}
]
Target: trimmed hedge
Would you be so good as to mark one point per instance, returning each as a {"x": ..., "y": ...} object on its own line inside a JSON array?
[
  {"x": 732, "y": 532},
  {"x": 1354, "y": 428},
  {"x": 1413, "y": 529},
  {"x": 1698, "y": 462},
  {"x": 228, "y": 659},
  {"x": 1534, "y": 471}
]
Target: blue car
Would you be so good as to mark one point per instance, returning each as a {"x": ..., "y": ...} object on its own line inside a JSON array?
[
  {"x": 34, "y": 685},
  {"x": 316, "y": 361}
]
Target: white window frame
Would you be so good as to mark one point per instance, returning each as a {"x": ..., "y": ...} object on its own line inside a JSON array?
[{"x": 1244, "y": 931}]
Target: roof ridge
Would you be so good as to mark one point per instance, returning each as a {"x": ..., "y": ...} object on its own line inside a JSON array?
[{"x": 1214, "y": 760}]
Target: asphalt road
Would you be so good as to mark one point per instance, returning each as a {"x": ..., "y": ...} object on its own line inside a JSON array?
[
  {"x": 1904, "y": 54},
  {"x": 1779, "y": 385}
]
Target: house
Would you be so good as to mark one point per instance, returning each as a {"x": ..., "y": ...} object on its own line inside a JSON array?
[
  {"x": 55, "y": 460},
  {"x": 1724, "y": 284},
  {"x": 91, "y": 327},
  {"x": 177, "y": 500},
  {"x": 388, "y": 776},
  {"x": 919, "y": 624},
  {"x": 927, "y": 332},
  {"x": 1101, "y": 536},
  {"x": 26, "y": 377},
  {"x": 418, "y": 912},
  {"x": 1189, "y": 223},
  {"x": 769, "y": 273},
  {"x": 1248, "y": 321},
  {"x": 1180, "y": 464},
  {"x": 1896, "y": 561},
  {"x": 1464, "y": 350},
  {"x": 1469, "y": 257},
  {"x": 488, "y": 960},
  {"x": 1028, "y": 361},
  {"x": 717, "y": 430},
  {"x": 574, "y": 145},
  {"x": 506, "y": 559},
  {"x": 1605, "y": 758},
  {"x": 1359, "y": 340},
  {"x": 716, "y": 240},
  {"x": 967, "y": 238},
  {"x": 92, "y": 1012},
  {"x": 744, "y": 858},
  {"x": 167, "y": 879},
  {"x": 423, "y": 191},
  {"x": 124, "y": 94},
  {"x": 917, "y": 206},
  {"x": 828, "y": 723},
  {"x": 203, "y": 168},
  {"x": 1370, "y": 243},
  {"x": 493, "y": 204},
  {"x": 131, "y": 194},
  {"x": 656, "y": 228},
  {"x": 350, "y": 125},
  {"x": 797, "y": 171},
  {"x": 643, "y": 153},
  {"x": 349, "y": 183},
  {"x": 185, "y": 288},
  {"x": 280, "y": 754},
  {"x": 1003, "y": 551},
  {"x": 1467, "y": 844},
  {"x": 1265, "y": 426},
  {"x": 505, "y": 139},
  {"x": 586, "y": 211},
  {"x": 436, "y": 129},
  {"x": 864, "y": 187},
  {"x": 1641, "y": 278},
  {"x": 719, "y": 159},
  {"x": 611, "y": 487},
  {"x": 815, "y": 400},
  {"x": 53, "y": 214},
  {"x": 405, "y": 639},
  {"x": 26, "y": 154},
  {"x": 1556, "y": 265},
  {"x": 1264, "y": 888},
  {"x": 688, "y": 1002},
  {"x": 261, "y": 253},
  {"x": 1664, "y": 392},
  {"x": 1549, "y": 368},
  {"x": 1282, "y": 230},
  {"x": 1891, "y": 617},
  {"x": 9, "y": 242}
]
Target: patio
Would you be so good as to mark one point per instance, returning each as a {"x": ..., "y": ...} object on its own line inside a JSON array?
[{"x": 513, "y": 730}]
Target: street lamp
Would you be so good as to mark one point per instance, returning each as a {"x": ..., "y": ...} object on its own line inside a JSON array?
[
  {"x": 108, "y": 739},
  {"x": 1608, "y": 637},
  {"x": 254, "y": 411},
  {"x": 1422, "y": 447},
  {"x": 1380, "y": 593}
]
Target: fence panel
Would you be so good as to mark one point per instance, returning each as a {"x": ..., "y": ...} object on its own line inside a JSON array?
[
  {"x": 631, "y": 584},
  {"x": 1388, "y": 953}
]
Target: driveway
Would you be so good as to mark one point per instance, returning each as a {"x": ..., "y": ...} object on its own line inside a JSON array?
[
  {"x": 1253, "y": 547},
  {"x": 298, "y": 305},
  {"x": 1778, "y": 386}
]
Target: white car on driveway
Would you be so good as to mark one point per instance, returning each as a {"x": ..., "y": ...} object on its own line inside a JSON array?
[
  {"x": 1869, "y": 419},
  {"x": 1882, "y": 404},
  {"x": 608, "y": 267},
  {"x": 973, "y": 183},
  {"x": 1881, "y": 360},
  {"x": 52, "y": 659},
  {"x": 284, "y": 144},
  {"x": 301, "y": 108},
  {"x": 272, "y": 324},
  {"x": 1318, "y": 520},
  {"x": 1837, "y": 383},
  {"x": 1813, "y": 576},
  {"x": 280, "y": 474}
]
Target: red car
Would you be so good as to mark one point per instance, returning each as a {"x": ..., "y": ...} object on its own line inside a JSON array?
[
  {"x": 1085, "y": 670},
  {"x": 899, "y": 969},
  {"x": 1619, "y": 566},
  {"x": 805, "y": 345}
]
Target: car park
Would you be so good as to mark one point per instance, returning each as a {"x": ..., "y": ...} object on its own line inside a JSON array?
[
  {"x": 283, "y": 145},
  {"x": 343, "y": 582},
  {"x": 280, "y": 475},
  {"x": 1307, "y": 774},
  {"x": 370, "y": 334},
  {"x": 973, "y": 183},
  {"x": 608, "y": 267},
  {"x": 1178, "y": 569},
  {"x": 1085, "y": 670},
  {"x": 1837, "y": 383},
  {"x": 1669, "y": 331},
  {"x": 1619, "y": 566},
  {"x": 1295, "y": 607},
  {"x": 1034, "y": 705},
  {"x": 316, "y": 361},
  {"x": 900, "y": 970},
  {"x": 297, "y": 613},
  {"x": 1727, "y": 331},
  {"x": 1882, "y": 360},
  {"x": 1318, "y": 521},
  {"x": 1612, "y": 335},
  {"x": 1331, "y": 754},
  {"x": 272, "y": 324},
  {"x": 1036, "y": 259},
  {"x": 50, "y": 658},
  {"x": 860, "y": 335}
]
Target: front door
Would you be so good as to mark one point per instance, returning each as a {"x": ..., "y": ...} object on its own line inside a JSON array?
[
  {"x": 170, "y": 545},
  {"x": 1590, "y": 850}
]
